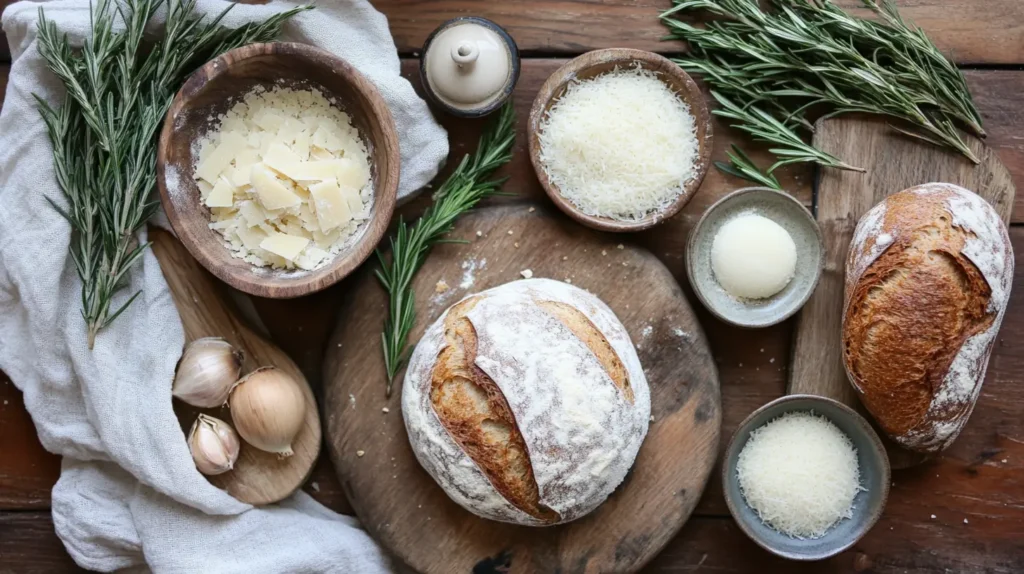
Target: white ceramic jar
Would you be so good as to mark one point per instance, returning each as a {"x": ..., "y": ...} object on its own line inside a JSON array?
[{"x": 469, "y": 66}]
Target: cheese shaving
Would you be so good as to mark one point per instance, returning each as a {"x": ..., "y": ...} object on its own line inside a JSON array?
[
  {"x": 799, "y": 472},
  {"x": 286, "y": 177},
  {"x": 621, "y": 145}
]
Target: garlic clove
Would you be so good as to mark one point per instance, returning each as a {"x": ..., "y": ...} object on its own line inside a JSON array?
[
  {"x": 214, "y": 445},
  {"x": 268, "y": 407},
  {"x": 206, "y": 372}
]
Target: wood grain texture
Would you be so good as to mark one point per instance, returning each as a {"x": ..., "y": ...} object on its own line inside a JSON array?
[
  {"x": 970, "y": 480},
  {"x": 27, "y": 471},
  {"x": 29, "y": 545},
  {"x": 985, "y": 32},
  {"x": 996, "y": 92},
  {"x": 258, "y": 477},
  {"x": 209, "y": 92},
  {"x": 596, "y": 63},
  {"x": 988, "y": 32},
  {"x": 842, "y": 198},
  {"x": 408, "y": 512}
]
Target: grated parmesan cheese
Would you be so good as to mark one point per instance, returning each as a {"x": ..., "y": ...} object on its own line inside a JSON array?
[
  {"x": 799, "y": 472},
  {"x": 620, "y": 145},
  {"x": 286, "y": 177}
]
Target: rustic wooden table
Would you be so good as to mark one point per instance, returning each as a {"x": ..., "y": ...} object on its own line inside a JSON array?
[{"x": 963, "y": 512}]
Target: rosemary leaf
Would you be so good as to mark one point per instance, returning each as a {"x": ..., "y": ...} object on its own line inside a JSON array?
[
  {"x": 800, "y": 54},
  {"x": 104, "y": 133},
  {"x": 740, "y": 165},
  {"x": 463, "y": 189}
]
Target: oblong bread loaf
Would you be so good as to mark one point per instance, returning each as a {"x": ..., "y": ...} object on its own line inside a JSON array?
[{"x": 928, "y": 279}]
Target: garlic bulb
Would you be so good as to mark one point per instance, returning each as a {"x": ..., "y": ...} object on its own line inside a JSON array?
[
  {"x": 269, "y": 408},
  {"x": 214, "y": 445},
  {"x": 206, "y": 372}
]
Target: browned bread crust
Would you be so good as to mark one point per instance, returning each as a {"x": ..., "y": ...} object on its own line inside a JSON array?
[
  {"x": 914, "y": 299},
  {"x": 475, "y": 413},
  {"x": 527, "y": 402},
  {"x": 578, "y": 323}
]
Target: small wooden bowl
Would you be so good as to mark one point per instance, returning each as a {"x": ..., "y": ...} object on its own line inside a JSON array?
[
  {"x": 600, "y": 62},
  {"x": 211, "y": 91}
]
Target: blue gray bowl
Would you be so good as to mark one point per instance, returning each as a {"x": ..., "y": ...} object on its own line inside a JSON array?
[{"x": 867, "y": 506}]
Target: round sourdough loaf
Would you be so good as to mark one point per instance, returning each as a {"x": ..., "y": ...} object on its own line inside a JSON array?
[
  {"x": 927, "y": 283},
  {"x": 527, "y": 402}
]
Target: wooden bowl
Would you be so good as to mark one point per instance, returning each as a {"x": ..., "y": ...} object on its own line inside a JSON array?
[
  {"x": 594, "y": 64},
  {"x": 211, "y": 91}
]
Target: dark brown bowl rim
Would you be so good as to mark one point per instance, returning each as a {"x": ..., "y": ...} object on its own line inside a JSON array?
[
  {"x": 620, "y": 55},
  {"x": 385, "y": 192}
]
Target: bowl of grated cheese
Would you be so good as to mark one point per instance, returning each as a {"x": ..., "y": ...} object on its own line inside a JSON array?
[
  {"x": 278, "y": 168},
  {"x": 805, "y": 477},
  {"x": 620, "y": 139}
]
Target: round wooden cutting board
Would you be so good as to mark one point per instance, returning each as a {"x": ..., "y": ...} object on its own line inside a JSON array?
[{"x": 402, "y": 506}]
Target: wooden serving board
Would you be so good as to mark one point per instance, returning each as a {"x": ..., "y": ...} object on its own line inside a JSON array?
[
  {"x": 258, "y": 477},
  {"x": 402, "y": 506},
  {"x": 893, "y": 163}
]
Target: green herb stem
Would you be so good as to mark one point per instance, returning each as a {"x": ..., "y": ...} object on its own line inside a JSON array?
[
  {"x": 104, "y": 133},
  {"x": 801, "y": 54},
  {"x": 464, "y": 188}
]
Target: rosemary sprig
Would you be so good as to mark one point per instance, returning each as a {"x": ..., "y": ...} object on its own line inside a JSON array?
[
  {"x": 801, "y": 54},
  {"x": 740, "y": 165},
  {"x": 764, "y": 127},
  {"x": 104, "y": 133},
  {"x": 463, "y": 189}
]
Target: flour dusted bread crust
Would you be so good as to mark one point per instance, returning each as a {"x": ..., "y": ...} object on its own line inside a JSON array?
[
  {"x": 527, "y": 402},
  {"x": 927, "y": 283}
]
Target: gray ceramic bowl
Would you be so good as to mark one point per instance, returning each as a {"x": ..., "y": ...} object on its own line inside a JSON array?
[
  {"x": 867, "y": 506},
  {"x": 810, "y": 257}
]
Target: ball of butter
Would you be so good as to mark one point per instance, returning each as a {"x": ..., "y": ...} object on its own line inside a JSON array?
[{"x": 753, "y": 257}]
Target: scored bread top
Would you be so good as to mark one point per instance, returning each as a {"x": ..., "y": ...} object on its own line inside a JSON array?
[
  {"x": 527, "y": 402},
  {"x": 927, "y": 283}
]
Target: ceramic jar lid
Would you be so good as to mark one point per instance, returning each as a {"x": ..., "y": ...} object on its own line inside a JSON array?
[{"x": 469, "y": 66}]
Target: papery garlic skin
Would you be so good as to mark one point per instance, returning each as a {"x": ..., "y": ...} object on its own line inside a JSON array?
[
  {"x": 214, "y": 445},
  {"x": 206, "y": 372},
  {"x": 268, "y": 407}
]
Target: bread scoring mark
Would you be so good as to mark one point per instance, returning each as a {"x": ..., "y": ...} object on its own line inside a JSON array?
[
  {"x": 476, "y": 415},
  {"x": 588, "y": 333},
  {"x": 911, "y": 315}
]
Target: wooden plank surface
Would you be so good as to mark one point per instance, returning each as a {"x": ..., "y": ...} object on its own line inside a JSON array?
[
  {"x": 670, "y": 471},
  {"x": 971, "y": 481},
  {"x": 973, "y": 31},
  {"x": 842, "y": 199}
]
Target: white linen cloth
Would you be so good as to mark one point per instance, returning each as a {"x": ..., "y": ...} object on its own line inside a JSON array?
[{"x": 129, "y": 495}]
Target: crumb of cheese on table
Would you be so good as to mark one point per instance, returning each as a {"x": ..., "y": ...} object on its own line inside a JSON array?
[{"x": 286, "y": 177}]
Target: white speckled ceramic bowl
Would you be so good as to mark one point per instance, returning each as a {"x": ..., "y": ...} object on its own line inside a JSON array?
[
  {"x": 810, "y": 256},
  {"x": 875, "y": 477}
]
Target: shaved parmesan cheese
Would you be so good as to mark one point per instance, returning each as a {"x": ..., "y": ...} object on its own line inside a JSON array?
[
  {"x": 221, "y": 194},
  {"x": 287, "y": 246},
  {"x": 620, "y": 145},
  {"x": 281, "y": 158},
  {"x": 350, "y": 173},
  {"x": 332, "y": 208},
  {"x": 799, "y": 472},
  {"x": 286, "y": 177},
  {"x": 231, "y": 144},
  {"x": 317, "y": 170},
  {"x": 270, "y": 191}
]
